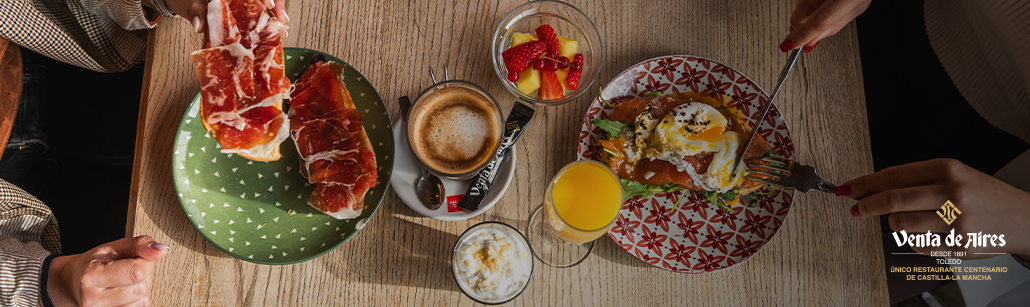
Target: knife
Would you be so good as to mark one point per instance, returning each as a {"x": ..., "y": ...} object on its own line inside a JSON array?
[{"x": 791, "y": 59}]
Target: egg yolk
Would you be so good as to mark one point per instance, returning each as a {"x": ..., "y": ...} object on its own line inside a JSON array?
[{"x": 713, "y": 134}]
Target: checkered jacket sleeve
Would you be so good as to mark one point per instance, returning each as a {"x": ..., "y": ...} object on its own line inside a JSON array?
[
  {"x": 28, "y": 234},
  {"x": 129, "y": 14},
  {"x": 100, "y": 35}
]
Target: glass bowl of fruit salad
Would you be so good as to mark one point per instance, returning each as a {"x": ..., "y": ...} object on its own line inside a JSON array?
[{"x": 547, "y": 52}]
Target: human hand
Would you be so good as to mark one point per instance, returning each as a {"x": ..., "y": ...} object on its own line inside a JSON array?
[
  {"x": 814, "y": 20},
  {"x": 912, "y": 193},
  {"x": 196, "y": 10},
  {"x": 113, "y": 274}
]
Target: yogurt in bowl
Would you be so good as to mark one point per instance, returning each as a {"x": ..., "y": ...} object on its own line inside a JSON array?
[{"x": 492, "y": 263}]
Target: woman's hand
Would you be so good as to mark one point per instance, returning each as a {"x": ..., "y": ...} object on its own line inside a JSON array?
[
  {"x": 814, "y": 20},
  {"x": 196, "y": 10},
  {"x": 912, "y": 193},
  {"x": 113, "y": 274}
]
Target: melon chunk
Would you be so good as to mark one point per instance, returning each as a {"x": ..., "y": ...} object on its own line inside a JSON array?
[
  {"x": 566, "y": 47},
  {"x": 522, "y": 38},
  {"x": 562, "y": 74},
  {"x": 529, "y": 80}
]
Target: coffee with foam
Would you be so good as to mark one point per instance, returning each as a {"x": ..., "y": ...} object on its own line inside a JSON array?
[{"x": 455, "y": 130}]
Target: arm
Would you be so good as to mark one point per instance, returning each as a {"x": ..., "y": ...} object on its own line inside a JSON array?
[
  {"x": 143, "y": 14},
  {"x": 21, "y": 268},
  {"x": 113, "y": 274},
  {"x": 814, "y": 20},
  {"x": 117, "y": 273},
  {"x": 28, "y": 234},
  {"x": 129, "y": 14},
  {"x": 914, "y": 193}
]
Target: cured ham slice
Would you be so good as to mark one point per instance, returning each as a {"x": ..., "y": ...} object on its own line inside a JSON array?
[
  {"x": 242, "y": 80},
  {"x": 335, "y": 152}
]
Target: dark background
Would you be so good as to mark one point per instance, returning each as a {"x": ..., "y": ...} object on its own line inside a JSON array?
[
  {"x": 91, "y": 125},
  {"x": 911, "y": 103}
]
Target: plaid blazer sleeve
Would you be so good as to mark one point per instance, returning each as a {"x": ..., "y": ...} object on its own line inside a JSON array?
[
  {"x": 90, "y": 34},
  {"x": 129, "y": 14},
  {"x": 28, "y": 234}
]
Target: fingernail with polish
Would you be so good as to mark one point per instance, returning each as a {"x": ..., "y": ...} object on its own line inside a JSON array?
[
  {"x": 842, "y": 190},
  {"x": 786, "y": 45},
  {"x": 287, "y": 16},
  {"x": 158, "y": 246},
  {"x": 854, "y": 211},
  {"x": 196, "y": 23},
  {"x": 809, "y": 48}
]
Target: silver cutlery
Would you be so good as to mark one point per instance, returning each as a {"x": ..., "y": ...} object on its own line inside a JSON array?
[
  {"x": 791, "y": 60},
  {"x": 429, "y": 189},
  {"x": 786, "y": 173}
]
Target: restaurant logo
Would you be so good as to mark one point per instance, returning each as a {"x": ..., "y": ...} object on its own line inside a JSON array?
[
  {"x": 950, "y": 259},
  {"x": 950, "y": 212}
]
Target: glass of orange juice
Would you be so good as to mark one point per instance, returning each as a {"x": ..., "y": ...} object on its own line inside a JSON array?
[{"x": 581, "y": 203}]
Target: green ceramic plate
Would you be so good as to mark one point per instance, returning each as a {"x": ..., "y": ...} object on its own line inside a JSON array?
[{"x": 257, "y": 211}]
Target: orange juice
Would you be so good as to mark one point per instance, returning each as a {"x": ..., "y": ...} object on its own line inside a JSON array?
[{"x": 586, "y": 196}]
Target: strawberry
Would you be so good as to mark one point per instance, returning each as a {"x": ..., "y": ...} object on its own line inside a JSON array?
[
  {"x": 550, "y": 87},
  {"x": 546, "y": 34},
  {"x": 518, "y": 58}
]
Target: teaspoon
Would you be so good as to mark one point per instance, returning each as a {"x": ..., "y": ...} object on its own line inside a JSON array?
[{"x": 429, "y": 188}]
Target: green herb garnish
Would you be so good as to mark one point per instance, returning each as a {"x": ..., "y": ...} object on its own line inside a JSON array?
[
  {"x": 600, "y": 95},
  {"x": 654, "y": 94},
  {"x": 614, "y": 128},
  {"x": 633, "y": 188},
  {"x": 712, "y": 196},
  {"x": 716, "y": 198},
  {"x": 726, "y": 110},
  {"x": 678, "y": 203},
  {"x": 610, "y": 152},
  {"x": 730, "y": 195},
  {"x": 772, "y": 153}
]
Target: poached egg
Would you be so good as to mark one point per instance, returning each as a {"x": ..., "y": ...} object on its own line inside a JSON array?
[{"x": 690, "y": 129}]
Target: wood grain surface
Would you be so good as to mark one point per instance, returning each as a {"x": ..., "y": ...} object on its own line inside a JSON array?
[
  {"x": 822, "y": 256},
  {"x": 10, "y": 88}
]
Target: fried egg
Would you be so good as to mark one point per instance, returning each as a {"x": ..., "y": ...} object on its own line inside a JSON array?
[{"x": 690, "y": 129}]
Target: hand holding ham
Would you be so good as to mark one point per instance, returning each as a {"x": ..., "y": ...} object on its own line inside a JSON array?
[
  {"x": 114, "y": 274},
  {"x": 196, "y": 10},
  {"x": 912, "y": 193}
]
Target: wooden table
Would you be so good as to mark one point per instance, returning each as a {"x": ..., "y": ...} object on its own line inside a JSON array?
[{"x": 822, "y": 256}]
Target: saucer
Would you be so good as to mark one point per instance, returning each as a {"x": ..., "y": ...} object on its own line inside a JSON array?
[{"x": 406, "y": 172}]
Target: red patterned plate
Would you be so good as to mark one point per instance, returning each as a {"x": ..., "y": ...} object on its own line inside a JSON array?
[{"x": 699, "y": 237}]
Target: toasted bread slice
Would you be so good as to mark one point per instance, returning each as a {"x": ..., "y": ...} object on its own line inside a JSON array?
[
  {"x": 217, "y": 12},
  {"x": 368, "y": 144},
  {"x": 269, "y": 154},
  {"x": 343, "y": 199}
]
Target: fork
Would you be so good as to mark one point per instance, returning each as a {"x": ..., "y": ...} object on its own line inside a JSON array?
[{"x": 786, "y": 173}]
